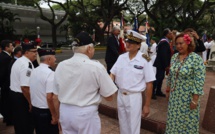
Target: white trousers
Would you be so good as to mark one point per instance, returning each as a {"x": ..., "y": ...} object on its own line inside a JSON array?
[
  {"x": 79, "y": 120},
  {"x": 129, "y": 112},
  {"x": 204, "y": 55}
]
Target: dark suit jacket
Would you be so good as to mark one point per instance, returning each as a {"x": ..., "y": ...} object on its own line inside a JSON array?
[
  {"x": 112, "y": 51},
  {"x": 163, "y": 55},
  {"x": 5, "y": 60},
  {"x": 200, "y": 47}
]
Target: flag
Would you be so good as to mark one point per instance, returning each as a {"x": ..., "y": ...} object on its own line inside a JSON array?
[
  {"x": 204, "y": 37},
  {"x": 135, "y": 28},
  {"x": 147, "y": 34},
  {"x": 121, "y": 36}
]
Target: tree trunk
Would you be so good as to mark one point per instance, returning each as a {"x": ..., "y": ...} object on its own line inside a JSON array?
[
  {"x": 54, "y": 36},
  {"x": 100, "y": 36}
]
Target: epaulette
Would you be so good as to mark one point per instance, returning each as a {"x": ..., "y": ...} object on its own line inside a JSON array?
[{"x": 146, "y": 57}]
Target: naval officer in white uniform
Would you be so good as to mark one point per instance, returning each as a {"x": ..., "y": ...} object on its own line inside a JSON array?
[
  {"x": 41, "y": 90},
  {"x": 20, "y": 92},
  {"x": 133, "y": 73},
  {"x": 80, "y": 85}
]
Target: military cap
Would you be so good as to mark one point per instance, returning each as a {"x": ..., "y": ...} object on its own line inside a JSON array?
[
  {"x": 134, "y": 37},
  {"x": 43, "y": 52},
  {"x": 28, "y": 46},
  {"x": 82, "y": 39}
]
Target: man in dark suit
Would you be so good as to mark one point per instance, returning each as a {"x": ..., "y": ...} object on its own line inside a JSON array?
[
  {"x": 5, "y": 59},
  {"x": 200, "y": 47},
  {"x": 162, "y": 61},
  {"x": 112, "y": 51},
  {"x": 17, "y": 53}
]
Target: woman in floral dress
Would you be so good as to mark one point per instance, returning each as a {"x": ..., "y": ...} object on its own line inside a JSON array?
[{"x": 184, "y": 88}]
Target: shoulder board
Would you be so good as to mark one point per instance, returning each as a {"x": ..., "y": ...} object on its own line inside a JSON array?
[{"x": 146, "y": 57}]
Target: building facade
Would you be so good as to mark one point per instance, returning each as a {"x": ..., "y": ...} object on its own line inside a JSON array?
[{"x": 31, "y": 24}]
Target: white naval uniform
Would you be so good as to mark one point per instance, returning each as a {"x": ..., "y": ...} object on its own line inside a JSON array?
[
  {"x": 144, "y": 48},
  {"x": 131, "y": 77},
  {"x": 79, "y": 84},
  {"x": 41, "y": 83},
  {"x": 20, "y": 74},
  {"x": 204, "y": 53},
  {"x": 153, "y": 55}
]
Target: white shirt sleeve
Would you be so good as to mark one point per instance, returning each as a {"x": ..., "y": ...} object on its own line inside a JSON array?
[
  {"x": 115, "y": 66},
  {"x": 107, "y": 87},
  {"x": 149, "y": 73},
  {"x": 25, "y": 74},
  {"x": 50, "y": 83}
]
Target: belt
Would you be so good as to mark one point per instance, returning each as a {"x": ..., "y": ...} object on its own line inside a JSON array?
[{"x": 127, "y": 92}]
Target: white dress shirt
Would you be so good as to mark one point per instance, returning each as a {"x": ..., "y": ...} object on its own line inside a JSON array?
[
  {"x": 132, "y": 75},
  {"x": 20, "y": 74},
  {"x": 80, "y": 81},
  {"x": 41, "y": 83},
  {"x": 144, "y": 48},
  {"x": 153, "y": 49}
]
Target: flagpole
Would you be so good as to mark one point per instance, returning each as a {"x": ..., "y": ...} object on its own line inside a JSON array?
[{"x": 146, "y": 24}]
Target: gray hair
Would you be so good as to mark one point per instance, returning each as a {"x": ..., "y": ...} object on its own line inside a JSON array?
[
  {"x": 115, "y": 28},
  {"x": 43, "y": 58},
  {"x": 81, "y": 49}
]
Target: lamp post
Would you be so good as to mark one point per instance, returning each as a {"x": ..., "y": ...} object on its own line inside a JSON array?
[
  {"x": 38, "y": 32},
  {"x": 94, "y": 35}
]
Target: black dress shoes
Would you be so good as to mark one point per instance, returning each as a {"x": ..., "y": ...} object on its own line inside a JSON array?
[
  {"x": 154, "y": 97},
  {"x": 161, "y": 94}
]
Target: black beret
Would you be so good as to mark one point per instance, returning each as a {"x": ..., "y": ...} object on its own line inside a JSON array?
[
  {"x": 28, "y": 46},
  {"x": 82, "y": 39},
  {"x": 43, "y": 52}
]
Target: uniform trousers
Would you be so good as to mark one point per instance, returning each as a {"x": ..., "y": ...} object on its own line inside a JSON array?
[
  {"x": 129, "y": 112},
  {"x": 159, "y": 79},
  {"x": 42, "y": 120},
  {"x": 79, "y": 120},
  {"x": 23, "y": 119},
  {"x": 6, "y": 105}
]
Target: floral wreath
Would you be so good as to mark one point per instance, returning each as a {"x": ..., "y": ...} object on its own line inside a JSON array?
[{"x": 187, "y": 39}]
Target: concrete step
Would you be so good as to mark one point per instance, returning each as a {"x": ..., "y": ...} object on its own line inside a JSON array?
[
  {"x": 211, "y": 62},
  {"x": 210, "y": 68}
]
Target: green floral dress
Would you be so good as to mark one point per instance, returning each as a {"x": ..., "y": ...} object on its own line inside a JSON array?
[{"x": 190, "y": 80}]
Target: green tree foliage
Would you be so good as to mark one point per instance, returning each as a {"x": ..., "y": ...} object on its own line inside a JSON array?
[
  {"x": 7, "y": 18},
  {"x": 177, "y": 14},
  {"x": 86, "y": 14},
  {"x": 52, "y": 19}
]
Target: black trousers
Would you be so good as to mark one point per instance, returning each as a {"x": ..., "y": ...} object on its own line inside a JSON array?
[
  {"x": 109, "y": 66},
  {"x": 42, "y": 121},
  {"x": 6, "y": 109},
  {"x": 208, "y": 53},
  {"x": 154, "y": 87},
  {"x": 159, "y": 79},
  {"x": 22, "y": 118}
]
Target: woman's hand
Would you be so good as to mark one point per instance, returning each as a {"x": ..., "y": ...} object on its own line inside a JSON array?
[
  {"x": 193, "y": 105},
  {"x": 167, "y": 93}
]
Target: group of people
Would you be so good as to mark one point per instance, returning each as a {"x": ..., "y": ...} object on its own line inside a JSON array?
[
  {"x": 177, "y": 55},
  {"x": 43, "y": 99}
]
